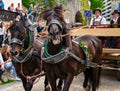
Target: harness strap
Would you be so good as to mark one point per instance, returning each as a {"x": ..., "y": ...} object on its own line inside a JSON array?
[
  {"x": 99, "y": 21},
  {"x": 25, "y": 59}
]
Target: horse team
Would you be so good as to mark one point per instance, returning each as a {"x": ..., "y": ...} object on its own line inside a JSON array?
[{"x": 26, "y": 53}]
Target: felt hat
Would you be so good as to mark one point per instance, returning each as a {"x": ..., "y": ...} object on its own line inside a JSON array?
[
  {"x": 97, "y": 10},
  {"x": 116, "y": 12}
]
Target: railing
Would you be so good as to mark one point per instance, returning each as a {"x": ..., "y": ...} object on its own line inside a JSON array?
[{"x": 7, "y": 15}]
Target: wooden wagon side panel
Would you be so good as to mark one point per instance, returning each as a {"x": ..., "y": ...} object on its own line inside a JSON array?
[{"x": 106, "y": 32}]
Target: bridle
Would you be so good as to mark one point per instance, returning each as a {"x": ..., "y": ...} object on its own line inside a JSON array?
[
  {"x": 55, "y": 21},
  {"x": 28, "y": 54},
  {"x": 18, "y": 42}
]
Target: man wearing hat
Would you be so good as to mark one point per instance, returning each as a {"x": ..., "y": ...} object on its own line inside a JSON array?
[
  {"x": 98, "y": 20},
  {"x": 114, "y": 23}
]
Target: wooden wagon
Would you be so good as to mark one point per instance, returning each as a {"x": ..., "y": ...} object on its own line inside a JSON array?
[{"x": 110, "y": 54}]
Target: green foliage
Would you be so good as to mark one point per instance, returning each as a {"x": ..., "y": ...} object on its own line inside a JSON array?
[
  {"x": 85, "y": 6},
  {"x": 53, "y": 3},
  {"x": 44, "y": 3},
  {"x": 26, "y": 3},
  {"x": 9, "y": 81},
  {"x": 83, "y": 46},
  {"x": 96, "y": 4}
]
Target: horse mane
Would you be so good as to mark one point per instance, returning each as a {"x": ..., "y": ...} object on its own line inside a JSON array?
[{"x": 54, "y": 13}]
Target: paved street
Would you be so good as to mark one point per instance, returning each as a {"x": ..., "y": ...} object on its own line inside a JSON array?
[{"x": 108, "y": 83}]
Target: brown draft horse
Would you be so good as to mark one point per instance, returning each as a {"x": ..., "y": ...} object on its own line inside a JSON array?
[
  {"x": 25, "y": 52},
  {"x": 69, "y": 66}
]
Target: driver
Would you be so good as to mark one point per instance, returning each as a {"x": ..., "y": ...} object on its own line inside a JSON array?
[{"x": 98, "y": 20}]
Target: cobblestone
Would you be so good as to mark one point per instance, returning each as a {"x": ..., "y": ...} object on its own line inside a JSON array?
[{"x": 108, "y": 83}]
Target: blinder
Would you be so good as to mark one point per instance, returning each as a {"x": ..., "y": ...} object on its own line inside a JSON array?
[
  {"x": 16, "y": 41},
  {"x": 54, "y": 21}
]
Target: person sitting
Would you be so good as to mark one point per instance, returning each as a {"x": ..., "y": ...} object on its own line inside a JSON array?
[
  {"x": 2, "y": 69},
  {"x": 98, "y": 21},
  {"x": 114, "y": 23},
  {"x": 5, "y": 52},
  {"x": 40, "y": 29}
]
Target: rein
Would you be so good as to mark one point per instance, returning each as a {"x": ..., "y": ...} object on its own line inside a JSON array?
[
  {"x": 29, "y": 78},
  {"x": 27, "y": 53}
]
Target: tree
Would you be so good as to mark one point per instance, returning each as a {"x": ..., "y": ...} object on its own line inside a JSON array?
[
  {"x": 53, "y": 3},
  {"x": 45, "y": 3},
  {"x": 96, "y": 4}
]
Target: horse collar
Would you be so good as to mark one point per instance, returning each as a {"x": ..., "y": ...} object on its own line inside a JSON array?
[
  {"x": 46, "y": 49},
  {"x": 24, "y": 58}
]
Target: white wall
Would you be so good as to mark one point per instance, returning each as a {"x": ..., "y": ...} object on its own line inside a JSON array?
[{"x": 8, "y": 3}]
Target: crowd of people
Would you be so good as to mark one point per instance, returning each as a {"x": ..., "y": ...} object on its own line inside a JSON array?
[{"x": 5, "y": 61}]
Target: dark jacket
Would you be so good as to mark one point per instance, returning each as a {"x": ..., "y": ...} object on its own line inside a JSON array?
[{"x": 112, "y": 22}]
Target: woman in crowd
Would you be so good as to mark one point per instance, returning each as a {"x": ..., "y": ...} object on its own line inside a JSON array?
[
  {"x": 11, "y": 7},
  {"x": 2, "y": 32},
  {"x": 2, "y": 69},
  {"x": 5, "y": 52}
]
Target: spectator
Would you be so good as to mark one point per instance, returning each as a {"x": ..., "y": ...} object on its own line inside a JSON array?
[
  {"x": 1, "y": 5},
  {"x": 5, "y": 51},
  {"x": 98, "y": 20},
  {"x": 18, "y": 8},
  {"x": 2, "y": 32},
  {"x": 31, "y": 12},
  {"x": 2, "y": 69},
  {"x": 114, "y": 23},
  {"x": 11, "y": 7},
  {"x": 40, "y": 29}
]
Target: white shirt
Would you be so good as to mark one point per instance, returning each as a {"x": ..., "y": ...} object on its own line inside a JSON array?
[
  {"x": 1, "y": 59},
  {"x": 2, "y": 31},
  {"x": 103, "y": 21},
  {"x": 115, "y": 20}
]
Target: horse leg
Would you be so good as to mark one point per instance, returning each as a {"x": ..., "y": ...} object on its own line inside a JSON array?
[
  {"x": 27, "y": 85},
  {"x": 60, "y": 82},
  {"x": 53, "y": 84},
  {"x": 68, "y": 82},
  {"x": 47, "y": 88},
  {"x": 95, "y": 78},
  {"x": 87, "y": 74}
]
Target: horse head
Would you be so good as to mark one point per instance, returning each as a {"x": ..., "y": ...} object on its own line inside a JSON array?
[
  {"x": 55, "y": 23},
  {"x": 20, "y": 35},
  {"x": 55, "y": 31}
]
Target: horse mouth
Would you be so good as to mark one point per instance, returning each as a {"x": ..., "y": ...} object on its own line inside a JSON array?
[
  {"x": 15, "y": 53},
  {"x": 55, "y": 42}
]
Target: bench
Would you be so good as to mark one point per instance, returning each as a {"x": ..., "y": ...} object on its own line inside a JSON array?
[{"x": 108, "y": 53}]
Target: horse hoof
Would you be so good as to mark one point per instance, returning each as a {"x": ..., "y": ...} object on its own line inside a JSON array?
[
  {"x": 47, "y": 88},
  {"x": 87, "y": 88},
  {"x": 59, "y": 89}
]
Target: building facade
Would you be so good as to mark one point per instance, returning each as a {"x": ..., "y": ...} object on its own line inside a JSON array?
[{"x": 109, "y": 7}]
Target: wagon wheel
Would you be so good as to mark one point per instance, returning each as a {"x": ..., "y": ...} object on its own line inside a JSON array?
[{"x": 118, "y": 72}]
